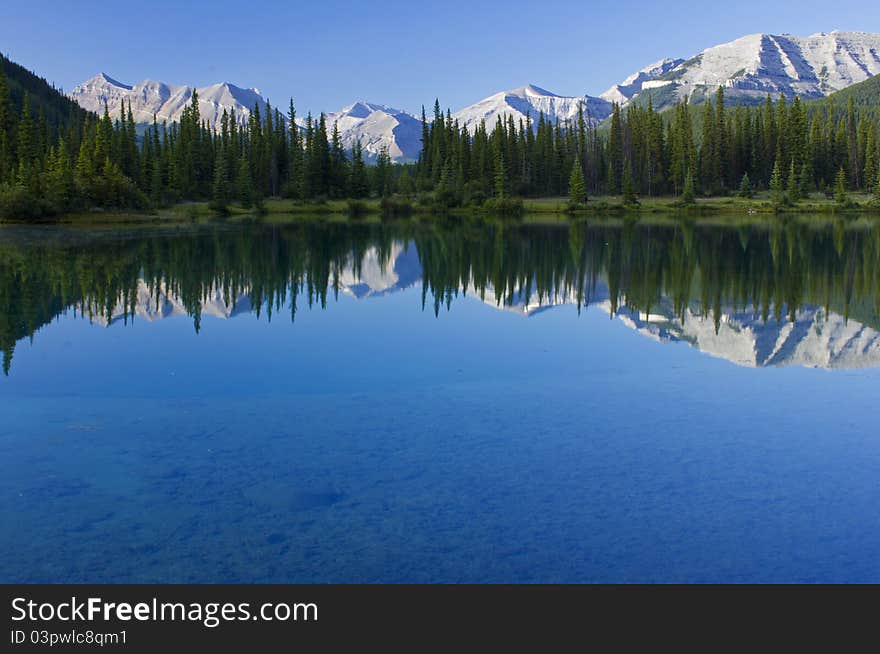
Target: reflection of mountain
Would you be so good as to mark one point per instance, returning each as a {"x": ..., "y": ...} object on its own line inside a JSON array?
[
  {"x": 375, "y": 276},
  {"x": 152, "y": 305},
  {"x": 816, "y": 338}
]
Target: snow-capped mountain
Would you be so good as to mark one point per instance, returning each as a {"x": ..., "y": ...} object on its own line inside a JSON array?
[
  {"x": 531, "y": 100},
  {"x": 378, "y": 126},
  {"x": 752, "y": 66},
  {"x": 374, "y": 124},
  {"x": 167, "y": 102},
  {"x": 632, "y": 85}
]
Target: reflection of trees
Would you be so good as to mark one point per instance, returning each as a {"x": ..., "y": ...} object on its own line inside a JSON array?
[{"x": 773, "y": 269}]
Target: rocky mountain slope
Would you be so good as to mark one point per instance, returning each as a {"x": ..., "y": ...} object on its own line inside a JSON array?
[
  {"x": 532, "y": 100},
  {"x": 165, "y": 101},
  {"x": 752, "y": 66},
  {"x": 378, "y": 126}
]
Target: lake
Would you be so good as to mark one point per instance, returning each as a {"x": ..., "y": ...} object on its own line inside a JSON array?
[{"x": 444, "y": 400}]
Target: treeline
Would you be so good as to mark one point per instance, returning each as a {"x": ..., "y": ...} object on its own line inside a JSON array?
[
  {"x": 81, "y": 160},
  {"x": 57, "y": 158},
  {"x": 770, "y": 271},
  {"x": 712, "y": 149}
]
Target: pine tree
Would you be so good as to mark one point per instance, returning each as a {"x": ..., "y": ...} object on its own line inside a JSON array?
[
  {"x": 500, "y": 175},
  {"x": 577, "y": 190},
  {"x": 294, "y": 188},
  {"x": 5, "y": 125},
  {"x": 628, "y": 188},
  {"x": 59, "y": 179},
  {"x": 793, "y": 187},
  {"x": 806, "y": 179},
  {"x": 244, "y": 184},
  {"x": 688, "y": 194},
  {"x": 840, "y": 195},
  {"x": 745, "y": 187},
  {"x": 405, "y": 183},
  {"x": 359, "y": 182},
  {"x": 777, "y": 188},
  {"x": 220, "y": 194},
  {"x": 875, "y": 198},
  {"x": 615, "y": 152},
  {"x": 382, "y": 173}
]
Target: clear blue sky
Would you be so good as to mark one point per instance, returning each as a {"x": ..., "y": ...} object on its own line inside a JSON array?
[{"x": 327, "y": 54}]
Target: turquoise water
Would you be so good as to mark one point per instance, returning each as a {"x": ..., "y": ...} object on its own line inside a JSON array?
[{"x": 402, "y": 430}]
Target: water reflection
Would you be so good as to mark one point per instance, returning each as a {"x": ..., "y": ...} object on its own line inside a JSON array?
[{"x": 796, "y": 292}]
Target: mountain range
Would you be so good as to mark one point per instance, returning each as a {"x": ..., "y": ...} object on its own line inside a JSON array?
[
  {"x": 164, "y": 101},
  {"x": 748, "y": 68},
  {"x": 531, "y": 100}
]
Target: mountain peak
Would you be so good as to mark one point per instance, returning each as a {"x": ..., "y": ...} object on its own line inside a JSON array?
[
  {"x": 754, "y": 65},
  {"x": 104, "y": 78},
  {"x": 533, "y": 101},
  {"x": 532, "y": 89},
  {"x": 153, "y": 98},
  {"x": 378, "y": 126}
]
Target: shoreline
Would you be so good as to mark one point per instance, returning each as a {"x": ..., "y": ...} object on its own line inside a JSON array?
[{"x": 759, "y": 208}]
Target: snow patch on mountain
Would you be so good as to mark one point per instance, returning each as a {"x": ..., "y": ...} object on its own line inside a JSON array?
[
  {"x": 531, "y": 100},
  {"x": 166, "y": 102},
  {"x": 752, "y": 66},
  {"x": 378, "y": 126},
  {"x": 633, "y": 85}
]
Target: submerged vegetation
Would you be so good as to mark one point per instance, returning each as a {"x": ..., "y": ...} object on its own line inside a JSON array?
[{"x": 772, "y": 270}]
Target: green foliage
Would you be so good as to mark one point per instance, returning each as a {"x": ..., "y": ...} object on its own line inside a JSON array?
[
  {"x": 875, "y": 196},
  {"x": 357, "y": 208},
  {"x": 55, "y": 157},
  {"x": 793, "y": 188},
  {"x": 504, "y": 205},
  {"x": 777, "y": 187},
  {"x": 688, "y": 195},
  {"x": 628, "y": 190},
  {"x": 396, "y": 207},
  {"x": 577, "y": 190},
  {"x": 840, "y": 195},
  {"x": 745, "y": 187},
  {"x": 244, "y": 184}
]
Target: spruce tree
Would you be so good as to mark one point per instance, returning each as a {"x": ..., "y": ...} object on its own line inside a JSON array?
[
  {"x": 405, "y": 183},
  {"x": 244, "y": 184},
  {"x": 745, "y": 187},
  {"x": 777, "y": 187},
  {"x": 875, "y": 198},
  {"x": 688, "y": 194},
  {"x": 500, "y": 175},
  {"x": 628, "y": 191},
  {"x": 577, "y": 190},
  {"x": 840, "y": 195},
  {"x": 220, "y": 194},
  {"x": 383, "y": 180},
  {"x": 5, "y": 124},
  {"x": 793, "y": 187},
  {"x": 359, "y": 182}
]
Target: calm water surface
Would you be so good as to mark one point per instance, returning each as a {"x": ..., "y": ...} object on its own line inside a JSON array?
[{"x": 440, "y": 402}]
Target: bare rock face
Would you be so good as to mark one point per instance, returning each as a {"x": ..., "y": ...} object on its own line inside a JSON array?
[{"x": 752, "y": 66}]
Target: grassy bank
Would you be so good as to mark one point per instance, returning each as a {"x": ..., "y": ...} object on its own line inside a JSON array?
[{"x": 762, "y": 205}]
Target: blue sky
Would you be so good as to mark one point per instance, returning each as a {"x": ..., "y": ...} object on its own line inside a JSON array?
[{"x": 328, "y": 54}]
